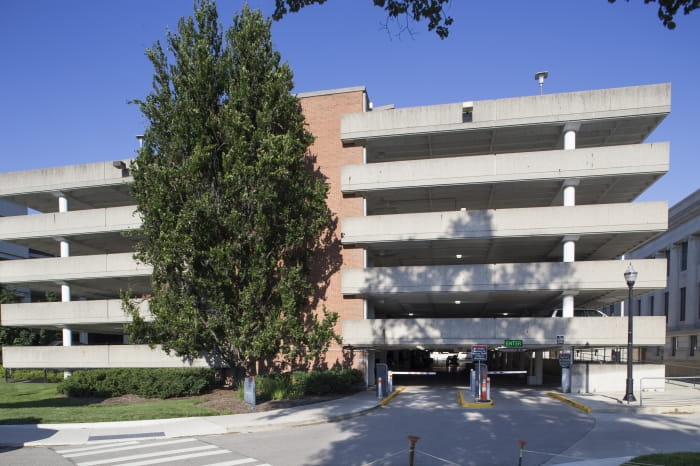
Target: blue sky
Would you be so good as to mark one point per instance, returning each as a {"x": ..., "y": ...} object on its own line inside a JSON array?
[{"x": 68, "y": 68}]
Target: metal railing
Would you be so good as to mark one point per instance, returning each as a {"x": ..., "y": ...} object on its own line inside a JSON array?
[{"x": 669, "y": 391}]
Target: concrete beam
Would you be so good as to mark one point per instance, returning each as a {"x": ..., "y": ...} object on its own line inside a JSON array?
[
  {"x": 66, "y": 224},
  {"x": 72, "y": 268},
  {"x": 602, "y": 104},
  {"x": 63, "y": 178},
  {"x": 533, "y": 331},
  {"x": 649, "y": 217},
  {"x": 58, "y": 314},
  {"x": 519, "y": 277},
  {"x": 93, "y": 357},
  {"x": 633, "y": 159}
]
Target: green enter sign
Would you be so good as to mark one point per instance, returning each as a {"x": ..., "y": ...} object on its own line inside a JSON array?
[{"x": 513, "y": 343}]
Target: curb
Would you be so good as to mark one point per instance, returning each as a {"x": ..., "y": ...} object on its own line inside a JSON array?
[
  {"x": 466, "y": 404},
  {"x": 391, "y": 396},
  {"x": 570, "y": 402}
]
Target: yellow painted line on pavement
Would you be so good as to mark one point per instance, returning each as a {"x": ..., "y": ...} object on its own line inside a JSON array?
[
  {"x": 478, "y": 404},
  {"x": 571, "y": 402},
  {"x": 391, "y": 396}
]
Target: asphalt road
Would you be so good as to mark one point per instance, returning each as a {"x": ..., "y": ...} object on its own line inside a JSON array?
[{"x": 449, "y": 434}]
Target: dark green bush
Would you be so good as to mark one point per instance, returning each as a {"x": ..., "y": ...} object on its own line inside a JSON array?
[
  {"x": 149, "y": 383},
  {"x": 292, "y": 385},
  {"x": 21, "y": 375}
]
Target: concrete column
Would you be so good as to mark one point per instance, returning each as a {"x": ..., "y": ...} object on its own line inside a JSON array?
[
  {"x": 570, "y": 192},
  {"x": 567, "y": 306},
  {"x": 535, "y": 371},
  {"x": 65, "y": 293},
  {"x": 65, "y": 248},
  {"x": 570, "y": 130},
  {"x": 569, "y": 250},
  {"x": 65, "y": 288},
  {"x": 62, "y": 203}
]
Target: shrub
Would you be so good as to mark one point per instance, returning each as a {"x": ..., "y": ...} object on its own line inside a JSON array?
[
  {"x": 149, "y": 383},
  {"x": 292, "y": 385},
  {"x": 21, "y": 375}
]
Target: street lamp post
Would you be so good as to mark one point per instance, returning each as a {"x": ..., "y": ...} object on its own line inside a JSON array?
[{"x": 630, "y": 278}]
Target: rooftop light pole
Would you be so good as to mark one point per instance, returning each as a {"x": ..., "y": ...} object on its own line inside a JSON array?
[{"x": 630, "y": 278}]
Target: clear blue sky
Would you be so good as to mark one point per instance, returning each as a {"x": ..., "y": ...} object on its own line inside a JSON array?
[{"x": 69, "y": 67}]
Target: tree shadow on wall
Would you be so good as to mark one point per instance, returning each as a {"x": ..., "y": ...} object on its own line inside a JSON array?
[
  {"x": 326, "y": 262},
  {"x": 484, "y": 282}
]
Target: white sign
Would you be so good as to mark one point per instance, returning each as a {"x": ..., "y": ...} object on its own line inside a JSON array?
[
  {"x": 479, "y": 352},
  {"x": 565, "y": 359}
]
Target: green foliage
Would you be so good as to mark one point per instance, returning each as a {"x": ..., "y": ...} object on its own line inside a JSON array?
[
  {"x": 293, "y": 385},
  {"x": 232, "y": 211},
  {"x": 434, "y": 11},
  {"x": 669, "y": 8},
  {"x": 416, "y": 10},
  {"x": 22, "y": 375},
  {"x": 17, "y": 336},
  {"x": 148, "y": 383},
  {"x": 38, "y": 403}
]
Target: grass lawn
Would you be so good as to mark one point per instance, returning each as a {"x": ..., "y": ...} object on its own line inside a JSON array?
[
  {"x": 686, "y": 458},
  {"x": 38, "y": 403}
]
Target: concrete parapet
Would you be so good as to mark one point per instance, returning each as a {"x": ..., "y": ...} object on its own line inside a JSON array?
[
  {"x": 92, "y": 357},
  {"x": 505, "y": 223},
  {"x": 538, "y": 276},
  {"x": 63, "y": 178},
  {"x": 56, "y": 314},
  {"x": 79, "y": 222},
  {"x": 633, "y": 159},
  {"x": 601, "y": 104},
  {"x": 533, "y": 331},
  {"x": 72, "y": 268}
]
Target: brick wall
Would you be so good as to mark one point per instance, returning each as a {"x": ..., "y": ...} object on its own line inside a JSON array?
[{"x": 322, "y": 114}]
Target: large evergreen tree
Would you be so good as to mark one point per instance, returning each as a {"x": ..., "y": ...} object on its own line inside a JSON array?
[{"x": 232, "y": 210}]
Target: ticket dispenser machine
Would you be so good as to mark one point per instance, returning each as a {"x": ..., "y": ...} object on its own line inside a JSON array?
[{"x": 382, "y": 371}]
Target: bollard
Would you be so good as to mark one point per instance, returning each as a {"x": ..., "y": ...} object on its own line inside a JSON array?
[
  {"x": 484, "y": 395},
  {"x": 488, "y": 388},
  {"x": 412, "y": 439},
  {"x": 472, "y": 382},
  {"x": 379, "y": 388},
  {"x": 522, "y": 444},
  {"x": 390, "y": 384}
]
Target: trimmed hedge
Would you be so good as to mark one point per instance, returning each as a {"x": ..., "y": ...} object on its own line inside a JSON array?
[
  {"x": 23, "y": 375},
  {"x": 292, "y": 385},
  {"x": 148, "y": 383}
]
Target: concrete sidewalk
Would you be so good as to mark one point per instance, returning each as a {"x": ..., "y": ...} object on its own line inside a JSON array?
[
  {"x": 74, "y": 434},
  {"x": 329, "y": 411}
]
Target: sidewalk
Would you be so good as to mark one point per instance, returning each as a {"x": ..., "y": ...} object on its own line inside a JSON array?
[
  {"x": 329, "y": 411},
  {"x": 74, "y": 434}
]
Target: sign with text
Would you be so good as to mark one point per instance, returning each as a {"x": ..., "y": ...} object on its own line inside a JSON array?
[
  {"x": 565, "y": 359},
  {"x": 479, "y": 352},
  {"x": 560, "y": 339},
  {"x": 513, "y": 343}
]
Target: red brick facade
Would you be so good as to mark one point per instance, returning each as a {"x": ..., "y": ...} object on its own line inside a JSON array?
[{"x": 322, "y": 112}]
